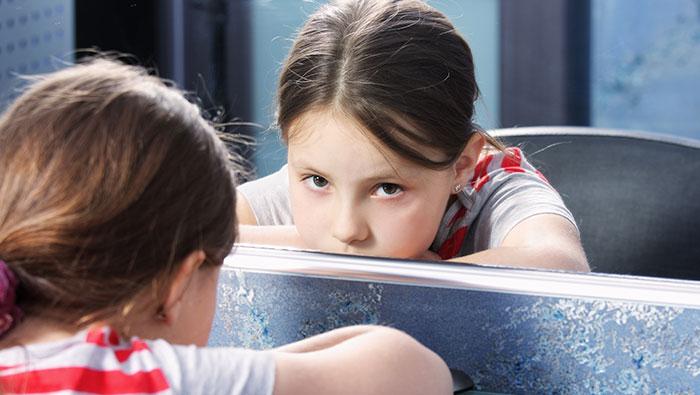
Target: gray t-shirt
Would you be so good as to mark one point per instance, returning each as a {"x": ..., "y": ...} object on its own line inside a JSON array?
[{"x": 505, "y": 189}]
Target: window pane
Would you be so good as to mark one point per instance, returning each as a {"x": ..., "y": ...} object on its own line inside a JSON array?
[
  {"x": 35, "y": 37},
  {"x": 646, "y": 65}
]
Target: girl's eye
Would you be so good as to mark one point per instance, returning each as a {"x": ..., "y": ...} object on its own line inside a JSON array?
[
  {"x": 316, "y": 182},
  {"x": 387, "y": 189}
]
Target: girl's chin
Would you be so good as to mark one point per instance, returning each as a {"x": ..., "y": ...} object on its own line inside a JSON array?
[{"x": 349, "y": 250}]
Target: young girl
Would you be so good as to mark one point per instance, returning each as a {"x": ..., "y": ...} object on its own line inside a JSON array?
[
  {"x": 375, "y": 104},
  {"x": 116, "y": 212}
]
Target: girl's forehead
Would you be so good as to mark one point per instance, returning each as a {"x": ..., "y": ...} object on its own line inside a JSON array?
[
  {"x": 308, "y": 127},
  {"x": 319, "y": 124},
  {"x": 332, "y": 135}
]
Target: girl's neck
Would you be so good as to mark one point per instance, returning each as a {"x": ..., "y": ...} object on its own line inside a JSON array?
[{"x": 32, "y": 330}]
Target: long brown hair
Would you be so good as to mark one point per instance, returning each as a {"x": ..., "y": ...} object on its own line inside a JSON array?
[
  {"x": 398, "y": 67},
  {"x": 108, "y": 179}
]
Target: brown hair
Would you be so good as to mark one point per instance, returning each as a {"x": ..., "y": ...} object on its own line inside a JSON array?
[
  {"x": 398, "y": 67},
  {"x": 108, "y": 179}
]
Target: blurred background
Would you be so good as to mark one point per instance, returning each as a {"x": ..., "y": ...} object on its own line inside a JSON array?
[{"x": 628, "y": 64}]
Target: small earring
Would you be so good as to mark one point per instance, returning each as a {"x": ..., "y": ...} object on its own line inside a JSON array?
[
  {"x": 160, "y": 315},
  {"x": 457, "y": 188}
]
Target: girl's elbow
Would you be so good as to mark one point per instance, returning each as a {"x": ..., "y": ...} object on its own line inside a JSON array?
[{"x": 572, "y": 260}]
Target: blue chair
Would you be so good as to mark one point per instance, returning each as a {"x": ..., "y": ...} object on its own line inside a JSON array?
[{"x": 635, "y": 195}]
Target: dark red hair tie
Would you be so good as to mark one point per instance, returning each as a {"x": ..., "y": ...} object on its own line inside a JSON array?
[{"x": 10, "y": 314}]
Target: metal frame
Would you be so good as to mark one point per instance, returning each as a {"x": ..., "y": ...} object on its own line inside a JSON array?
[{"x": 667, "y": 292}]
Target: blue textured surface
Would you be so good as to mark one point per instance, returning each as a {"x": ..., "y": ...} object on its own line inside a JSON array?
[{"x": 505, "y": 342}]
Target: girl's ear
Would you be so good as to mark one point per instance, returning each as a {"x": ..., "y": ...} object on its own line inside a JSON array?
[
  {"x": 466, "y": 161},
  {"x": 169, "y": 310}
]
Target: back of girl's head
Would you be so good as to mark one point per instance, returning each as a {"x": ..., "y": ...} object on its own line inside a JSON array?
[
  {"x": 396, "y": 66},
  {"x": 108, "y": 178}
]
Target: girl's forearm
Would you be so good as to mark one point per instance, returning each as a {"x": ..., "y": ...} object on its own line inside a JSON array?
[
  {"x": 528, "y": 257},
  {"x": 326, "y": 340},
  {"x": 362, "y": 360},
  {"x": 275, "y": 235}
]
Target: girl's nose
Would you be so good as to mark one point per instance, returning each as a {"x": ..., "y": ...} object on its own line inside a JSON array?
[{"x": 349, "y": 225}]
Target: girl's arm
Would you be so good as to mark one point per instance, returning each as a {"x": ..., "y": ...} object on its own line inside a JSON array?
[
  {"x": 244, "y": 214},
  {"x": 546, "y": 241},
  {"x": 327, "y": 339},
  {"x": 274, "y": 235},
  {"x": 249, "y": 232},
  {"x": 360, "y": 360}
]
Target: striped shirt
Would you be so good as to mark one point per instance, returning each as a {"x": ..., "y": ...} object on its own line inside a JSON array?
[
  {"x": 504, "y": 189},
  {"x": 98, "y": 361}
]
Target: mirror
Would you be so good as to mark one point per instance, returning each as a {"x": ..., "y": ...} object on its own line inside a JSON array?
[
  {"x": 617, "y": 76},
  {"x": 509, "y": 330},
  {"x": 622, "y": 83}
]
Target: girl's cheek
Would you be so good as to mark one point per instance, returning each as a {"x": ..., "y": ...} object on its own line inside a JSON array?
[
  {"x": 310, "y": 210},
  {"x": 310, "y": 199}
]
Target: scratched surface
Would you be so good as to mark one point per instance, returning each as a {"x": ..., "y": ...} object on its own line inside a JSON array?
[{"x": 505, "y": 342}]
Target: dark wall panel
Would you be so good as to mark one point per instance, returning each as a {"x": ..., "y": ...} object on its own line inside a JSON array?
[{"x": 545, "y": 62}]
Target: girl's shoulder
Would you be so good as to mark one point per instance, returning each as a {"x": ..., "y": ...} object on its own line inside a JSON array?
[
  {"x": 495, "y": 166},
  {"x": 98, "y": 360},
  {"x": 93, "y": 360}
]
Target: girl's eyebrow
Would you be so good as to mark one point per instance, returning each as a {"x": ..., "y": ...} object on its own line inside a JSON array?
[
  {"x": 379, "y": 176},
  {"x": 387, "y": 173},
  {"x": 299, "y": 165}
]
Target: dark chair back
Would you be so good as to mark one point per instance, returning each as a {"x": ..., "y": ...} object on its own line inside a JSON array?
[{"x": 635, "y": 195}]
